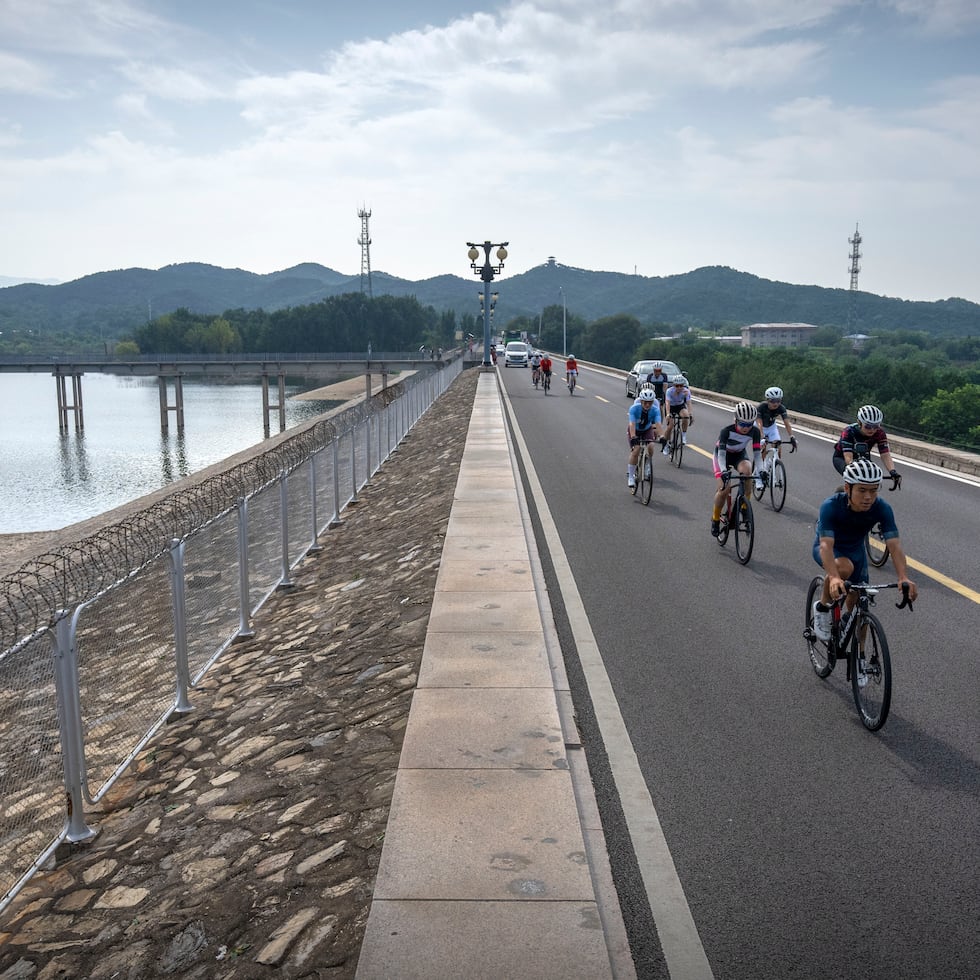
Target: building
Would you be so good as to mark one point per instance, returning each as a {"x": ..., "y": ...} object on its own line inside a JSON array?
[{"x": 777, "y": 334}]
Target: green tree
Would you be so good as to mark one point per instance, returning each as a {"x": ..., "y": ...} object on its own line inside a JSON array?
[{"x": 953, "y": 415}]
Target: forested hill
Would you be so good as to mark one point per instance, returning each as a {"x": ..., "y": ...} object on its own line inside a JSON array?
[{"x": 118, "y": 302}]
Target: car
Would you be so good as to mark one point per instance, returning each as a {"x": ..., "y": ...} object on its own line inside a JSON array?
[
  {"x": 639, "y": 372},
  {"x": 516, "y": 354},
  {"x": 501, "y": 350}
]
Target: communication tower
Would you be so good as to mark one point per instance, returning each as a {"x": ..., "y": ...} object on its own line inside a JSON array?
[
  {"x": 365, "y": 242},
  {"x": 855, "y": 244}
]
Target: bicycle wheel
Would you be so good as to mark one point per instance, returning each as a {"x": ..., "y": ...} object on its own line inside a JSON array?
[
  {"x": 873, "y": 697},
  {"x": 677, "y": 454},
  {"x": 546, "y": 383},
  {"x": 758, "y": 491},
  {"x": 777, "y": 485},
  {"x": 726, "y": 521},
  {"x": 744, "y": 529},
  {"x": 821, "y": 651},
  {"x": 874, "y": 544},
  {"x": 571, "y": 385},
  {"x": 645, "y": 475}
]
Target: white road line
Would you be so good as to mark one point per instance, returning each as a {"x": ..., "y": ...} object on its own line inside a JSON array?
[{"x": 679, "y": 938}]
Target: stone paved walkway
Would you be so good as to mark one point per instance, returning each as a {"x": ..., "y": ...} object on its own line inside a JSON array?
[{"x": 245, "y": 841}]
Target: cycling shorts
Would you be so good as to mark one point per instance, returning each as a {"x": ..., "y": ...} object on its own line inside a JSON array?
[
  {"x": 858, "y": 558},
  {"x": 647, "y": 435},
  {"x": 731, "y": 461},
  {"x": 770, "y": 433},
  {"x": 676, "y": 410}
]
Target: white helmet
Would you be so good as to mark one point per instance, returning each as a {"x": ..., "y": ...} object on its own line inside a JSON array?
[
  {"x": 863, "y": 471},
  {"x": 657, "y": 365},
  {"x": 774, "y": 394},
  {"x": 745, "y": 413},
  {"x": 870, "y": 415},
  {"x": 647, "y": 395},
  {"x": 679, "y": 379},
  {"x": 570, "y": 357}
]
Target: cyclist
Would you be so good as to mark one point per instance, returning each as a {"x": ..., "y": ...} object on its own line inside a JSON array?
[
  {"x": 732, "y": 450},
  {"x": 658, "y": 380},
  {"x": 545, "y": 368},
  {"x": 770, "y": 412},
  {"x": 860, "y": 438},
  {"x": 677, "y": 399},
  {"x": 643, "y": 425},
  {"x": 842, "y": 525},
  {"x": 571, "y": 368},
  {"x": 535, "y": 367}
]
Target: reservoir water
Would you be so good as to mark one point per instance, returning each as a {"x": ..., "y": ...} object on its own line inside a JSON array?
[{"x": 49, "y": 480}]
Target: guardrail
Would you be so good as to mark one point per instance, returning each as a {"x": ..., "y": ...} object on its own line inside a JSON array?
[{"x": 104, "y": 640}]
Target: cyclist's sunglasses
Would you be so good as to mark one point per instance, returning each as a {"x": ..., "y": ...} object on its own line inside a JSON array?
[
  {"x": 774, "y": 401},
  {"x": 744, "y": 425},
  {"x": 870, "y": 427}
]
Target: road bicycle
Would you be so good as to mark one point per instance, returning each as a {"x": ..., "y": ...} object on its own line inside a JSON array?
[
  {"x": 676, "y": 442},
  {"x": 874, "y": 543},
  {"x": 773, "y": 476},
  {"x": 535, "y": 376},
  {"x": 546, "y": 381},
  {"x": 572, "y": 380},
  {"x": 644, "y": 473},
  {"x": 860, "y": 640},
  {"x": 737, "y": 517}
]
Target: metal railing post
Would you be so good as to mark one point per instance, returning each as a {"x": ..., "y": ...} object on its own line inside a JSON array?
[
  {"x": 245, "y": 623},
  {"x": 70, "y": 724},
  {"x": 179, "y": 596},
  {"x": 314, "y": 542},
  {"x": 353, "y": 465},
  {"x": 336, "y": 521},
  {"x": 285, "y": 582}
]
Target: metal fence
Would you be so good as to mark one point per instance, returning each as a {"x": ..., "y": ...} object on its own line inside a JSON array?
[{"x": 104, "y": 640}]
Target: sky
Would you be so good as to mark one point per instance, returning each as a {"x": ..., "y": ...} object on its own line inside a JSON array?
[{"x": 637, "y": 136}]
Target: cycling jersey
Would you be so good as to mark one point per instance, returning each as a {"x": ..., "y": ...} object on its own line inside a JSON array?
[
  {"x": 676, "y": 397},
  {"x": 546, "y": 365},
  {"x": 571, "y": 365},
  {"x": 769, "y": 415},
  {"x": 659, "y": 381},
  {"x": 849, "y": 527},
  {"x": 855, "y": 440},
  {"x": 535, "y": 360},
  {"x": 643, "y": 419},
  {"x": 733, "y": 445}
]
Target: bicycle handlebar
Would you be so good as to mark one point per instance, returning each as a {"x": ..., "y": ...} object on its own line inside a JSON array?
[{"x": 857, "y": 587}]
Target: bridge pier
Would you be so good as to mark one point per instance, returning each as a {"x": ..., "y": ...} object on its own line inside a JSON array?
[
  {"x": 75, "y": 406},
  {"x": 266, "y": 407},
  {"x": 178, "y": 406},
  {"x": 367, "y": 379}
]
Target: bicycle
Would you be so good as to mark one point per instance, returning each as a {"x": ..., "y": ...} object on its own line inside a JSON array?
[
  {"x": 874, "y": 543},
  {"x": 644, "y": 473},
  {"x": 571, "y": 384},
  {"x": 744, "y": 526},
  {"x": 773, "y": 474},
  {"x": 676, "y": 442},
  {"x": 546, "y": 381},
  {"x": 535, "y": 376},
  {"x": 860, "y": 639}
]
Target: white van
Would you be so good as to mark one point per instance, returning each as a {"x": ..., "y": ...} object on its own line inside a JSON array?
[{"x": 517, "y": 354}]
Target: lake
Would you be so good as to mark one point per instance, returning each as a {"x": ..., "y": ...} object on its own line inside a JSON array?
[{"x": 49, "y": 480}]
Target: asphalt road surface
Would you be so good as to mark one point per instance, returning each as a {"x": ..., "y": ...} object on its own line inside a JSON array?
[{"x": 805, "y": 845}]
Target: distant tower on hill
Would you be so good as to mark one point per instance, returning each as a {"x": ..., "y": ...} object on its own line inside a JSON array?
[
  {"x": 855, "y": 244},
  {"x": 365, "y": 242}
]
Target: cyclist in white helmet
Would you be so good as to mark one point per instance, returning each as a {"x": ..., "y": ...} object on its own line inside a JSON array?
[
  {"x": 859, "y": 439},
  {"x": 842, "y": 525},
  {"x": 732, "y": 452},
  {"x": 677, "y": 403},
  {"x": 771, "y": 412},
  {"x": 643, "y": 425}
]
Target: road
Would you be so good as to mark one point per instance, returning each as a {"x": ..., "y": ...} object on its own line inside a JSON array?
[{"x": 805, "y": 846}]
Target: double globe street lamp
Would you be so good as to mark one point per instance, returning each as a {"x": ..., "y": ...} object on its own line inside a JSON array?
[{"x": 486, "y": 272}]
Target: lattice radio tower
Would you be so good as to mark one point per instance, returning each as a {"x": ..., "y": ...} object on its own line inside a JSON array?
[
  {"x": 855, "y": 244},
  {"x": 365, "y": 242}
]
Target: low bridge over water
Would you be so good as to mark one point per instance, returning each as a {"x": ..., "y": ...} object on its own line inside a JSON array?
[{"x": 174, "y": 368}]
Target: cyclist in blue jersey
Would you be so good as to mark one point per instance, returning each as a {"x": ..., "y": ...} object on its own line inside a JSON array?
[
  {"x": 838, "y": 547},
  {"x": 643, "y": 425}
]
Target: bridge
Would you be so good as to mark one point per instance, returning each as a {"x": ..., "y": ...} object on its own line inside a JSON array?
[{"x": 326, "y": 367}]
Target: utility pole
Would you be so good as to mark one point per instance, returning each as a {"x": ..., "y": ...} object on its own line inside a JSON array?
[{"x": 365, "y": 242}]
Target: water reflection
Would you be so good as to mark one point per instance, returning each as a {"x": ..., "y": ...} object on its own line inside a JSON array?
[
  {"x": 73, "y": 458},
  {"x": 173, "y": 458}
]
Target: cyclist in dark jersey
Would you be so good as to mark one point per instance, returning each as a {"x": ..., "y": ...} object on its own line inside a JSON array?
[
  {"x": 842, "y": 525},
  {"x": 732, "y": 452},
  {"x": 859, "y": 439}
]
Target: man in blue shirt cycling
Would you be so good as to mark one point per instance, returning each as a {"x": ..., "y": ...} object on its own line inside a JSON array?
[
  {"x": 842, "y": 525},
  {"x": 643, "y": 425}
]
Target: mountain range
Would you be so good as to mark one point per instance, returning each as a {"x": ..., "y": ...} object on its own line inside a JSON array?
[{"x": 713, "y": 296}]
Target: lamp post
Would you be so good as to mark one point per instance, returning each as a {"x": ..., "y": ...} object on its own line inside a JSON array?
[
  {"x": 564, "y": 323},
  {"x": 486, "y": 272}
]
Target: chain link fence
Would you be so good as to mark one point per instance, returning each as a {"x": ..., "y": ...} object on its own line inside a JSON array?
[{"x": 104, "y": 639}]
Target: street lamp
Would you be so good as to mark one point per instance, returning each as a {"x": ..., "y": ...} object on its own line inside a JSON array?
[
  {"x": 486, "y": 272},
  {"x": 564, "y": 323}
]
